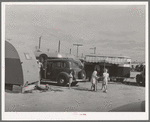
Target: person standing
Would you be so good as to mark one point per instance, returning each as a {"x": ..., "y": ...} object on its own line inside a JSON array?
[
  {"x": 97, "y": 68},
  {"x": 70, "y": 79},
  {"x": 45, "y": 64},
  {"x": 94, "y": 81},
  {"x": 40, "y": 69},
  {"x": 105, "y": 80}
]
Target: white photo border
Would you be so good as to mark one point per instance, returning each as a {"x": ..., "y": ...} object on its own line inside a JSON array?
[{"x": 70, "y": 115}]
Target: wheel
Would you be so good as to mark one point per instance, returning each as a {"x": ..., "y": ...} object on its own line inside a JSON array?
[
  {"x": 143, "y": 82},
  {"x": 74, "y": 83},
  {"x": 138, "y": 79},
  {"x": 121, "y": 79},
  {"x": 82, "y": 75},
  {"x": 62, "y": 80},
  {"x": 117, "y": 79}
]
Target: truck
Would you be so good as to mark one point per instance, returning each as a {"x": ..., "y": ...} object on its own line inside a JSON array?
[{"x": 140, "y": 78}]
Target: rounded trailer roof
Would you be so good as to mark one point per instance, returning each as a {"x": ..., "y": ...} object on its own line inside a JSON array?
[
  {"x": 14, "y": 49},
  {"x": 54, "y": 55},
  {"x": 26, "y": 59}
]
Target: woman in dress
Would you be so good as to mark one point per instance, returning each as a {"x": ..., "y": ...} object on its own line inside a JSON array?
[{"x": 105, "y": 80}]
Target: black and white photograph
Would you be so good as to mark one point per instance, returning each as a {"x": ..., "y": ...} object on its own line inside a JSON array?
[{"x": 75, "y": 61}]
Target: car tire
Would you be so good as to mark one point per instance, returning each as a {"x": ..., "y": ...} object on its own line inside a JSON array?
[
  {"x": 74, "y": 83},
  {"x": 117, "y": 80},
  {"x": 143, "y": 82},
  {"x": 62, "y": 80},
  {"x": 138, "y": 79},
  {"x": 82, "y": 75},
  {"x": 122, "y": 80}
]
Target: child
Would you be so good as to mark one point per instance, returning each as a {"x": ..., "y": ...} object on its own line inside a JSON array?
[
  {"x": 40, "y": 65},
  {"x": 70, "y": 79},
  {"x": 105, "y": 80},
  {"x": 94, "y": 81}
]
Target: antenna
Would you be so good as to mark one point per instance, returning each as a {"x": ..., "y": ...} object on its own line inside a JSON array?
[{"x": 70, "y": 50}]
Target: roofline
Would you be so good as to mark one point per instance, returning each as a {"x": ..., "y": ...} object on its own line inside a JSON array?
[
  {"x": 60, "y": 59},
  {"x": 108, "y": 56},
  {"x": 54, "y": 54}
]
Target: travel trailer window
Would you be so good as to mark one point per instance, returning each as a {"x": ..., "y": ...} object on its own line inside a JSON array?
[{"x": 27, "y": 55}]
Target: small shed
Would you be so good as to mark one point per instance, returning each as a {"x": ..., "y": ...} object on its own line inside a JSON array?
[{"x": 20, "y": 65}]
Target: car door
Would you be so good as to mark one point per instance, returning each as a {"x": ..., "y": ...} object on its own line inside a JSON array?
[
  {"x": 60, "y": 66},
  {"x": 56, "y": 69},
  {"x": 49, "y": 70},
  {"x": 63, "y": 67}
]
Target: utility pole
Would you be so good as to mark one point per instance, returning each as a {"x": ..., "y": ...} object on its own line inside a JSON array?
[
  {"x": 70, "y": 50},
  {"x": 77, "y": 47},
  {"x": 94, "y": 50},
  {"x": 59, "y": 47},
  {"x": 39, "y": 42},
  {"x": 82, "y": 55}
]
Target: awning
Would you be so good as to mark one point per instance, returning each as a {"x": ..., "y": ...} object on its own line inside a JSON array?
[{"x": 106, "y": 59}]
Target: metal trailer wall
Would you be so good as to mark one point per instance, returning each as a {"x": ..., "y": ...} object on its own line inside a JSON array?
[{"x": 20, "y": 64}]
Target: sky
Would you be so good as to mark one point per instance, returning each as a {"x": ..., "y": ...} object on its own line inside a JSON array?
[{"x": 115, "y": 30}]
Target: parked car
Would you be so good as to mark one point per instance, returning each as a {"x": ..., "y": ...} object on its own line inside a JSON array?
[{"x": 58, "y": 70}]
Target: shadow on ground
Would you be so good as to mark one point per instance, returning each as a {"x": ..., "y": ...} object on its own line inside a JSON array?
[
  {"x": 35, "y": 90},
  {"x": 55, "y": 84},
  {"x": 127, "y": 83},
  {"x": 81, "y": 89},
  {"x": 9, "y": 91},
  {"x": 132, "y": 107},
  {"x": 49, "y": 83}
]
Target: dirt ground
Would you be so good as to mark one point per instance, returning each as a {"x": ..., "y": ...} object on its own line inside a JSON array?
[{"x": 77, "y": 99}]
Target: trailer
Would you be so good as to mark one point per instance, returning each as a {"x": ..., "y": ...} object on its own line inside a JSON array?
[
  {"x": 118, "y": 67},
  {"x": 42, "y": 56},
  {"x": 21, "y": 67}
]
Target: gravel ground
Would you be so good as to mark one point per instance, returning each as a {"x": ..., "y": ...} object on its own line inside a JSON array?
[{"x": 77, "y": 99}]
